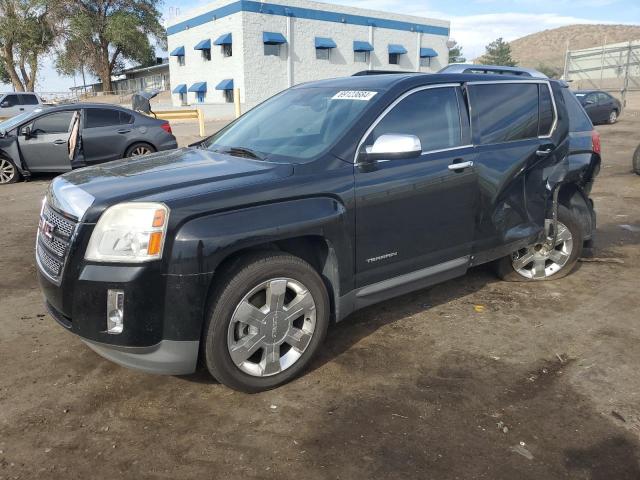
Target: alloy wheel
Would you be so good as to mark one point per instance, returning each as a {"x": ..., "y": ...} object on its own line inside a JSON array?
[
  {"x": 271, "y": 327},
  {"x": 613, "y": 116},
  {"x": 140, "y": 150},
  {"x": 542, "y": 261},
  {"x": 7, "y": 171}
]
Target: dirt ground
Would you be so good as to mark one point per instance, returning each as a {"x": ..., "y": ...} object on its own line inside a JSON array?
[{"x": 474, "y": 378}]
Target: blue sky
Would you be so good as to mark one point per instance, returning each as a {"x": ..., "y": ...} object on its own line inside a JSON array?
[{"x": 474, "y": 23}]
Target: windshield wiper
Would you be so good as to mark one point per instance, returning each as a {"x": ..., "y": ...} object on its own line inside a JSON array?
[{"x": 243, "y": 152}]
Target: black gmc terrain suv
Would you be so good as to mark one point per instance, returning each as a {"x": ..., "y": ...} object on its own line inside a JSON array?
[{"x": 326, "y": 198}]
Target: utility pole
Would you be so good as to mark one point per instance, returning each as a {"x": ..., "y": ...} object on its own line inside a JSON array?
[
  {"x": 604, "y": 44},
  {"x": 565, "y": 74},
  {"x": 626, "y": 75}
]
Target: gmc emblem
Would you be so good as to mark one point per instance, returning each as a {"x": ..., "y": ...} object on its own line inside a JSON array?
[{"x": 47, "y": 228}]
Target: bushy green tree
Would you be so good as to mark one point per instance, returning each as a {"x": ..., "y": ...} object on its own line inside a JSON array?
[
  {"x": 498, "y": 52},
  {"x": 28, "y": 30},
  {"x": 102, "y": 34},
  {"x": 455, "y": 54}
]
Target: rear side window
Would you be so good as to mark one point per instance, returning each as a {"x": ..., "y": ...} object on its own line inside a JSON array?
[
  {"x": 59, "y": 122},
  {"x": 505, "y": 112},
  {"x": 432, "y": 115},
  {"x": 29, "y": 99},
  {"x": 546, "y": 114},
  {"x": 578, "y": 119},
  {"x": 99, "y": 117},
  {"x": 125, "y": 118}
]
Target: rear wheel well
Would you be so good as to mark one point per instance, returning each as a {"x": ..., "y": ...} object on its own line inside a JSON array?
[
  {"x": 572, "y": 197},
  {"x": 133, "y": 144}
]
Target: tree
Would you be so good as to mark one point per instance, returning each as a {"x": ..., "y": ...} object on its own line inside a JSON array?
[
  {"x": 4, "y": 75},
  {"x": 498, "y": 52},
  {"x": 455, "y": 54},
  {"x": 27, "y": 32},
  {"x": 102, "y": 34}
]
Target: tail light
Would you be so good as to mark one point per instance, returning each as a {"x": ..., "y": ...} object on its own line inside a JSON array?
[
  {"x": 167, "y": 128},
  {"x": 595, "y": 142}
]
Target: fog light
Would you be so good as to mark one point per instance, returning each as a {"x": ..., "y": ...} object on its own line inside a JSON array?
[{"x": 115, "y": 311}]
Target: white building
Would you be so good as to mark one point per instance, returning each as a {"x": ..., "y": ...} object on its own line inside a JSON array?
[{"x": 263, "y": 48}]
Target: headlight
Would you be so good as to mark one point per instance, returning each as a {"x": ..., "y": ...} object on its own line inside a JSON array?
[{"x": 129, "y": 232}]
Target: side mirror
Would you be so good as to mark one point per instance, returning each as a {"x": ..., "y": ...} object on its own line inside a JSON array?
[
  {"x": 590, "y": 102},
  {"x": 4, "y": 105},
  {"x": 393, "y": 146},
  {"x": 26, "y": 131}
]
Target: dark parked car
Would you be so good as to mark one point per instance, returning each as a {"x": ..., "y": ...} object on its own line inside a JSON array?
[
  {"x": 326, "y": 198},
  {"x": 45, "y": 140},
  {"x": 600, "y": 106}
]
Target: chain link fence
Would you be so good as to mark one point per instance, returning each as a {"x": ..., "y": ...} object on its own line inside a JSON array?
[{"x": 614, "y": 68}]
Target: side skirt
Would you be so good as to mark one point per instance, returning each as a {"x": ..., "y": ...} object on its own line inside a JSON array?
[{"x": 393, "y": 287}]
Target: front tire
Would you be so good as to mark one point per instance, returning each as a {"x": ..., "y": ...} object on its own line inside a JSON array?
[
  {"x": 8, "y": 171},
  {"x": 538, "y": 262},
  {"x": 266, "y": 323},
  {"x": 613, "y": 117}
]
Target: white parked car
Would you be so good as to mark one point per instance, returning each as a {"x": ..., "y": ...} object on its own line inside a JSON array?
[{"x": 12, "y": 104}]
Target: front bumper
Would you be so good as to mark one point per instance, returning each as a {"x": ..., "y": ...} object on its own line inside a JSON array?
[
  {"x": 163, "y": 314},
  {"x": 167, "y": 357}
]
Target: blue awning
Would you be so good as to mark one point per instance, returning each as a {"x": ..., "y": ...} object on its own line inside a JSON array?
[
  {"x": 428, "y": 53},
  {"x": 198, "y": 87},
  {"x": 182, "y": 88},
  {"x": 362, "y": 46},
  {"x": 396, "y": 48},
  {"x": 203, "y": 45},
  {"x": 224, "y": 39},
  {"x": 324, "y": 42},
  {"x": 225, "y": 84},
  {"x": 273, "y": 38},
  {"x": 178, "y": 52}
]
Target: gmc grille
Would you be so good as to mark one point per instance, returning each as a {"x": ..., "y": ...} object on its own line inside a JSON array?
[{"x": 54, "y": 239}]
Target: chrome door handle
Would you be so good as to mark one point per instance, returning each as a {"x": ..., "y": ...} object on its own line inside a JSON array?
[
  {"x": 461, "y": 165},
  {"x": 543, "y": 153},
  {"x": 124, "y": 130},
  {"x": 60, "y": 142}
]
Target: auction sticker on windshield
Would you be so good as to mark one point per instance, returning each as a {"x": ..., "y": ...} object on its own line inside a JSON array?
[{"x": 354, "y": 95}]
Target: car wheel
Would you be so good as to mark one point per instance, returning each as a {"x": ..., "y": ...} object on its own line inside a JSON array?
[
  {"x": 267, "y": 321},
  {"x": 542, "y": 262},
  {"x": 636, "y": 160},
  {"x": 139, "y": 149},
  {"x": 8, "y": 171},
  {"x": 613, "y": 117}
]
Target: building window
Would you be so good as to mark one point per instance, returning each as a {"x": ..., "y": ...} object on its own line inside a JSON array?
[
  {"x": 394, "y": 58},
  {"x": 227, "y": 50},
  {"x": 273, "y": 50},
  {"x": 228, "y": 96},
  {"x": 200, "y": 97},
  {"x": 323, "y": 53},
  {"x": 361, "y": 57},
  {"x": 206, "y": 54},
  {"x": 181, "y": 60},
  {"x": 425, "y": 61}
]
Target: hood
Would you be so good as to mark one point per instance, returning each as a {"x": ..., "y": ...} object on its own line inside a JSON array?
[{"x": 167, "y": 175}]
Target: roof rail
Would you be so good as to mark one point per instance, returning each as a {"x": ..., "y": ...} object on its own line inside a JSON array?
[
  {"x": 378, "y": 72},
  {"x": 492, "y": 70}
]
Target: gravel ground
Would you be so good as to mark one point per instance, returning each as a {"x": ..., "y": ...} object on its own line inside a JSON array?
[{"x": 474, "y": 378}]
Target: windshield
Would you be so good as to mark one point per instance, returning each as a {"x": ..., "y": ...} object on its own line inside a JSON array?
[
  {"x": 14, "y": 121},
  {"x": 299, "y": 123}
]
